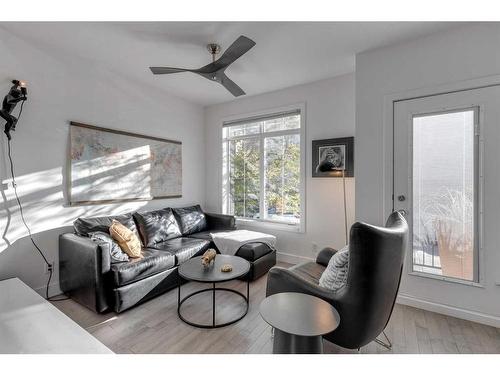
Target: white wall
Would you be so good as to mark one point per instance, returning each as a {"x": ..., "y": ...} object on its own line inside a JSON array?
[
  {"x": 63, "y": 88},
  {"x": 441, "y": 59},
  {"x": 329, "y": 114}
]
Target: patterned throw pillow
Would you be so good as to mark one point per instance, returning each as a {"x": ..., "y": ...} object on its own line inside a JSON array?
[
  {"x": 105, "y": 240},
  {"x": 128, "y": 240},
  {"x": 334, "y": 276}
]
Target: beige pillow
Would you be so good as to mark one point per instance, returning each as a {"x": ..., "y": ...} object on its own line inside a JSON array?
[{"x": 126, "y": 239}]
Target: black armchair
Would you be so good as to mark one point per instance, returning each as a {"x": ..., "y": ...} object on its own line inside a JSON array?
[{"x": 365, "y": 303}]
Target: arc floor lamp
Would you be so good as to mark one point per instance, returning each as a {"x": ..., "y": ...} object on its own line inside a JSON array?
[{"x": 328, "y": 166}]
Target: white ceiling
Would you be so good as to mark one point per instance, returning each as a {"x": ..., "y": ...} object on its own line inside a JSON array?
[{"x": 286, "y": 53}]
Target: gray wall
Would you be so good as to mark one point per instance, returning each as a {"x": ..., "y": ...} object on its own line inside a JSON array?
[{"x": 64, "y": 88}]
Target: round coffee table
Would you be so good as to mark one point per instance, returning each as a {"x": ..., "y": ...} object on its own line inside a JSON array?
[
  {"x": 192, "y": 270},
  {"x": 299, "y": 321}
]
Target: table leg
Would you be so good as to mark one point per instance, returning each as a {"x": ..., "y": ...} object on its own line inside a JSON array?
[
  {"x": 213, "y": 305},
  {"x": 248, "y": 291},
  {"x": 286, "y": 343}
]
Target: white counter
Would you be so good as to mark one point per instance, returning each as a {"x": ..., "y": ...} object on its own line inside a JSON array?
[{"x": 30, "y": 324}]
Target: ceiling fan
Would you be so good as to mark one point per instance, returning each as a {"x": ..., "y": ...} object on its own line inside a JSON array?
[{"x": 215, "y": 71}]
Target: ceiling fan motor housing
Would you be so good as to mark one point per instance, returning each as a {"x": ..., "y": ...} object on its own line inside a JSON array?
[{"x": 214, "y": 49}]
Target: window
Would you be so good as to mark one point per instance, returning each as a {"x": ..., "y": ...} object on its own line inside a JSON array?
[
  {"x": 444, "y": 194},
  {"x": 262, "y": 168}
]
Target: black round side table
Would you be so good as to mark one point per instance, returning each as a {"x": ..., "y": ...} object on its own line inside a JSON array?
[
  {"x": 299, "y": 321},
  {"x": 192, "y": 270}
]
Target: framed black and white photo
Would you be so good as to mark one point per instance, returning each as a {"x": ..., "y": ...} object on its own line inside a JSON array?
[{"x": 336, "y": 154}]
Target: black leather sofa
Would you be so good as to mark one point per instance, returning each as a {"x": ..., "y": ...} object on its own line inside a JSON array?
[{"x": 169, "y": 236}]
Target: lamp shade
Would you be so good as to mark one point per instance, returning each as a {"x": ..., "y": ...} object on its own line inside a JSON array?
[{"x": 327, "y": 166}]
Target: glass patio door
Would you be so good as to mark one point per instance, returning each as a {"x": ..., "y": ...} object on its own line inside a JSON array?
[{"x": 438, "y": 180}]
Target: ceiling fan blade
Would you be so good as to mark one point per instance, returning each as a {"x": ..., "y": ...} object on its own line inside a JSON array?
[
  {"x": 240, "y": 46},
  {"x": 166, "y": 70},
  {"x": 232, "y": 87}
]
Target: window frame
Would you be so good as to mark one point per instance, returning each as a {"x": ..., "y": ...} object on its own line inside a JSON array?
[
  {"x": 224, "y": 170},
  {"x": 478, "y": 185}
]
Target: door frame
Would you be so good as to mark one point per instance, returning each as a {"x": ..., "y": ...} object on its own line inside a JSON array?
[
  {"x": 388, "y": 163},
  {"x": 478, "y": 109}
]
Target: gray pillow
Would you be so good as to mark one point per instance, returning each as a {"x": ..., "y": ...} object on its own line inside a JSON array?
[
  {"x": 334, "y": 276},
  {"x": 106, "y": 242}
]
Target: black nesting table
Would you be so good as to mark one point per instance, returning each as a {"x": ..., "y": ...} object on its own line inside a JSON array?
[
  {"x": 192, "y": 270},
  {"x": 299, "y": 321}
]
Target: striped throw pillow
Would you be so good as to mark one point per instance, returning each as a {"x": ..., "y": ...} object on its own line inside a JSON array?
[{"x": 334, "y": 276}]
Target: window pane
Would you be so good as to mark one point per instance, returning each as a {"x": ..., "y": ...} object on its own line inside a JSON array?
[
  {"x": 443, "y": 194},
  {"x": 282, "y": 123},
  {"x": 244, "y": 129},
  {"x": 245, "y": 177},
  {"x": 282, "y": 176}
]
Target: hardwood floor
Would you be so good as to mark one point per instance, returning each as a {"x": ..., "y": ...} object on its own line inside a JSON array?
[{"x": 154, "y": 327}]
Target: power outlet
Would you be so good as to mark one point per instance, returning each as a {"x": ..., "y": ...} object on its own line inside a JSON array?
[
  {"x": 49, "y": 268},
  {"x": 314, "y": 248}
]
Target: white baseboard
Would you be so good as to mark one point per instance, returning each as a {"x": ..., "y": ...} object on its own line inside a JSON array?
[
  {"x": 291, "y": 258},
  {"x": 456, "y": 312}
]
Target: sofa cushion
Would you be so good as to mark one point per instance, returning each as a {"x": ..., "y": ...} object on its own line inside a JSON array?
[
  {"x": 152, "y": 262},
  {"x": 157, "y": 226},
  {"x": 183, "y": 248},
  {"x": 191, "y": 219},
  {"x": 84, "y": 226}
]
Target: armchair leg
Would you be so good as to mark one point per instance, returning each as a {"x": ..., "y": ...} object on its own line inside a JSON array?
[{"x": 387, "y": 345}]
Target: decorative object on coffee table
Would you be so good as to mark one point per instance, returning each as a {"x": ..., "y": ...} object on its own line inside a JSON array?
[
  {"x": 192, "y": 270},
  {"x": 208, "y": 257},
  {"x": 299, "y": 321},
  {"x": 226, "y": 268}
]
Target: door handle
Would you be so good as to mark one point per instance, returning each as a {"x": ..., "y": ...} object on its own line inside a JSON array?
[{"x": 403, "y": 212}]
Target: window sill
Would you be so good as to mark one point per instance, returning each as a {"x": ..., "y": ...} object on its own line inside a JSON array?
[
  {"x": 446, "y": 279},
  {"x": 296, "y": 228}
]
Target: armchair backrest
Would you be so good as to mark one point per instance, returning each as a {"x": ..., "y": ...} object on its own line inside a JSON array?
[{"x": 376, "y": 257}]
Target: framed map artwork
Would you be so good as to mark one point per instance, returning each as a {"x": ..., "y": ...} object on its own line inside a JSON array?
[{"x": 108, "y": 166}]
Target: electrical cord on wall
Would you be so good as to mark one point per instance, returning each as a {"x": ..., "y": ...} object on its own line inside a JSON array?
[{"x": 14, "y": 184}]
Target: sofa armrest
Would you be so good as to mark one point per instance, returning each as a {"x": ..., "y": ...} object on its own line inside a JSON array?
[
  {"x": 324, "y": 256},
  {"x": 82, "y": 266},
  {"x": 220, "y": 221},
  {"x": 282, "y": 280}
]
